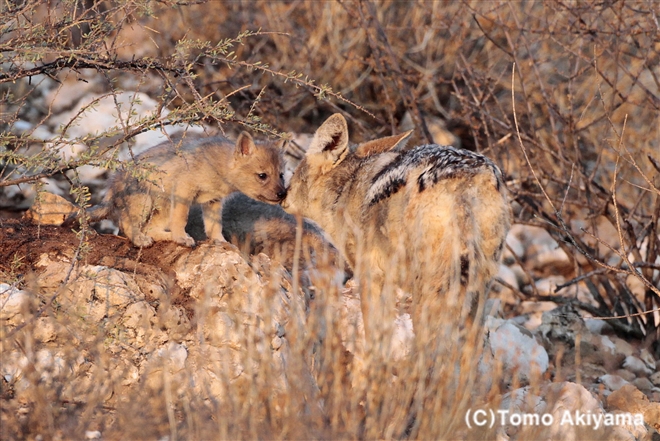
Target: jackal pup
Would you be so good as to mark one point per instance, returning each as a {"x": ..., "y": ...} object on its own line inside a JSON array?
[
  {"x": 187, "y": 171},
  {"x": 430, "y": 220},
  {"x": 256, "y": 227}
]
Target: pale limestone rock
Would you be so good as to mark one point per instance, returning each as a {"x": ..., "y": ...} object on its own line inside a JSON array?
[
  {"x": 12, "y": 302},
  {"x": 572, "y": 412},
  {"x": 534, "y": 312},
  {"x": 351, "y": 327},
  {"x": 95, "y": 114},
  {"x": 72, "y": 86},
  {"x": 50, "y": 209},
  {"x": 612, "y": 382},
  {"x": 637, "y": 366},
  {"x": 513, "y": 349},
  {"x": 566, "y": 399},
  {"x": 647, "y": 358},
  {"x": 597, "y": 326},
  {"x": 514, "y": 245},
  {"x": 503, "y": 292},
  {"x": 548, "y": 285},
  {"x": 540, "y": 249},
  {"x": 622, "y": 346},
  {"x": 643, "y": 384},
  {"x": 625, "y": 374},
  {"x": 98, "y": 292}
]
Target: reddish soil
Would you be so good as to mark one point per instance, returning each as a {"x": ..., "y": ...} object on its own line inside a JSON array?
[{"x": 23, "y": 242}]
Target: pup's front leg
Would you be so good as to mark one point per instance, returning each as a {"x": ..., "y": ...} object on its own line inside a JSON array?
[
  {"x": 212, "y": 215},
  {"x": 180, "y": 206}
]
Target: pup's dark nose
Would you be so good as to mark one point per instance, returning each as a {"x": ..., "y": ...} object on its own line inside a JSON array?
[{"x": 281, "y": 194}]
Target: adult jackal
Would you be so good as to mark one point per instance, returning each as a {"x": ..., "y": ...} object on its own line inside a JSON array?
[{"x": 430, "y": 220}]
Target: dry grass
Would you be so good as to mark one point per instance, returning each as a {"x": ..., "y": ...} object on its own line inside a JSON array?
[{"x": 582, "y": 162}]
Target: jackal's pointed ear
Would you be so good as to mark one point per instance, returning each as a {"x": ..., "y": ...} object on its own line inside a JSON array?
[
  {"x": 283, "y": 144},
  {"x": 381, "y": 145},
  {"x": 244, "y": 144},
  {"x": 330, "y": 144}
]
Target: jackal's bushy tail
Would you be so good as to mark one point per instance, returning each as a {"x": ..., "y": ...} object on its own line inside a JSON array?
[
  {"x": 464, "y": 242},
  {"x": 486, "y": 221}
]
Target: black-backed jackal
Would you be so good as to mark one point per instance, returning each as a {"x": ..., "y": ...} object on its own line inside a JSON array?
[{"x": 430, "y": 220}]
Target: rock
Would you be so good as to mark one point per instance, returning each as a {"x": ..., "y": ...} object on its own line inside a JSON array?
[
  {"x": 547, "y": 285},
  {"x": 622, "y": 346},
  {"x": 96, "y": 114},
  {"x": 50, "y": 209},
  {"x": 98, "y": 292},
  {"x": 514, "y": 349},
  {"x": 513, "y": 245},
  {"x": 13, "y": 301},
  {"x": 47, "y": 364},
  {"x": 402, "y": 340},
  {"x": 523, "y": 400},
  {"x": 625, "y": 374},
  {"x": 493, "y": 308},
  {"x": 541, "y": 251},
  {"x": 647, "y": 358},
  {"x": 548, "y": 258},
  {"x": 567, "y": 400},
  {"x": 612, "y": 382},
  {"x": 351, "y": 327},
  {"x": 605, "y": 343},
  {"x": 503, "y": 292},
  {"x": 437, "y": 128},
  {"x": 643, "y": 384},
  {"x": 17, "y": 197},
  {"x": 534, "y": 312},
  {"x": 637, "y": 366},
  {"x": 569, "y": 412},
  {"x": 596, "y": 326},
  {"x": 71, "y": 88},
  {"x": 20, "y": 126},
  {"x": 632, "y": 400}
]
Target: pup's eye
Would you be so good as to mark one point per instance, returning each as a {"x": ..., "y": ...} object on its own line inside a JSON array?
[
  {"x": 262, "y": 176},
  {"x": 281, "y": 175}
]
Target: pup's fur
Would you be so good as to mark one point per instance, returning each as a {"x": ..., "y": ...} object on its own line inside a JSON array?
[
  {"x": 431, "y": 220},
  {"x": 185, "y": 171},
  {"x": 255, "y": 227}
]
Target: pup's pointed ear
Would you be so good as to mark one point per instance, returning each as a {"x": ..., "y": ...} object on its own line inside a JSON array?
[
  {"x": 244, "y": 144},
  {"x": 330, "y": 144},
  {"x": 381, "y": 145}
]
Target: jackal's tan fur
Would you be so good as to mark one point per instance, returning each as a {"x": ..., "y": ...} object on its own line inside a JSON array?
[
  {"x": 187, "y": 171},
  {"x": 430, "y": 220}
]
